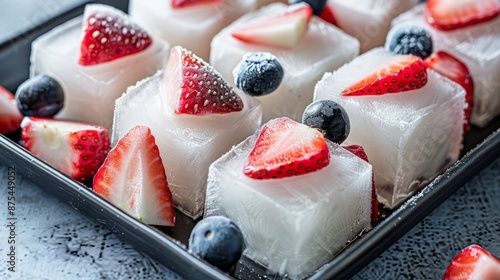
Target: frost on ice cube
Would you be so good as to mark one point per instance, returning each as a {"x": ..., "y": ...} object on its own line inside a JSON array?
[
  {"x": 188, "y": 144},
  {"x": 323, "y": 48},
  {"x": 191, "y": 27},
  {"x": 368, "y": 20},
  {"x": 478, "y": 46},
  {"x": 293, "y": 225},
  {"x": 90, "y": 91},
  {"x": 409, "y": 137}
]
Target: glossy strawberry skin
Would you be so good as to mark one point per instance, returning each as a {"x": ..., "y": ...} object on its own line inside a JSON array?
[
  {"x": 109, "y": 36},
  {"x": 471, "y": 263},
  {"x": 179, "y": 4},
  {"x": 78, "y": 151},
  {"x": 401, "y": 73},
  {"x": 202, "y": 90},
  {"x": 328, "y": 16},
  {"x": 449, "y": 15},
  {"x": 449, "y": 66},
  {"x": 360, "y": 152},
  {"x": 270, "y": 159},
  {"x": 10, "y": 117},
  {"x": 133, "y": 178}
]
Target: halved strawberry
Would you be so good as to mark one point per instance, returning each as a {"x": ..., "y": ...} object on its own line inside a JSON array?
[
  {"x": 133, "y": 179},
  {"x": 108, "y": 34},
  {"x": 10, "y": 117},
  {"x": 179, "y": 4},
  {"x": 327, "y": 15},
  {"x": 449, "y": 66},
  {"x": 76, "y": 149},
  {"x": 398, "y": 74},
  {"x": 195, "y": 88},
  {"x": 360, "y": 152},
  {"x": 472, "y": 263},
  {"x": 286, "y": 148},
  {"x": 453, "y": 14},
  {"x": 282, "y": 31}
]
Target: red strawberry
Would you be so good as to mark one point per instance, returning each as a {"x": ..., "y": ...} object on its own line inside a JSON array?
[
  {"x": 10, "y": 117},
  {"x": 76, "y": 149},
  {"x": 133, "y": 179},
  {"x": 328, "y": 16},
  {"x": 275, "y": 156},
  {"x": 360, "y": 152},
  {"x": 448, "y": 66},
  {"x": 282, "y": 31},
  {"x": 472, "y": 263},
  {"x": 179, "y": 4},
  {"x": 400, "y": 73},
  {"x": 108, "y": 34},
  {"x": 453, "y": 14},
  {"x": 195, "y": 88}
]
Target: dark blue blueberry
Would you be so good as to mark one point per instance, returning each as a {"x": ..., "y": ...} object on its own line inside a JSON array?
[
  {"x": 258, "y": 74},
  {"x": 330, "y": 117},
  {"x": 411, "y": 40},
  {"x": 217, "y": 240},
  {"x": 40, "y": 96},
  {"x": 316, "y": 5}
]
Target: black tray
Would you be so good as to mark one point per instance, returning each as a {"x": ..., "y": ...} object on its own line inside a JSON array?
[{"x": 168, "y": 245}]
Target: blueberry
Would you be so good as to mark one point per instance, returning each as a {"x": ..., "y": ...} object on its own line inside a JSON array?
[
  {"x": 330, "y": 117},
  {"x": 411, "y": 40},
  {"x": 258, "y": 74},
  {"x": 40, "y": 96},
  {"x": 316, "y": 5},
  {"x": 218, "y": 240}
]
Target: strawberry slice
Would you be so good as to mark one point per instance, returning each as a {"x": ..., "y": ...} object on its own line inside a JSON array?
[
  {"x": 473, "y": 262},
  {"x": 360, "y": 152},
  {"x": 179, "y": 4},
  {"x": 195, "y": 88},
  {"x": 282, "y": 31},
  {"x": 398, "y": 74},
  {"x": 328, "y": 16},
  {"x": 10, "y": 117},
  {"x": 274, "y": 156},
  {"x": 76, "y": 149},
  {"x": 133, "y": 179},
  {"x": 452, "y": 14},
  {"x": 108, "y": 34},
  {"x": 449, "y": 66}
]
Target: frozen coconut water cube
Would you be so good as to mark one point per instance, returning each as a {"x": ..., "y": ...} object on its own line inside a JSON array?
[
  {"x": 191, "y": 27},
  {"x": 478, "y": 47},
  {"x": 188, "y": 144},
  {"x": 409, "y": 137},
  {"x": 297, "y": 224},
  {"x": 368, "y": 20},
  {"x": 322, "y": 48},
  {"x": 90, "y": 91}
]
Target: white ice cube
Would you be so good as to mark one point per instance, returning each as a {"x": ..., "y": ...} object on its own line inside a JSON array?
[
  {"x": 293, "y": 225},
  {"x": 409, "y": 137},
  {"x": 91, "y": 91},
  {"x": 478, "y": 46},
  {"x": 323, "y": 48},
  {"x": 192, "y": 27},
  {"x": 368, "y": 20},
  {"x": 188, "y": 144}
]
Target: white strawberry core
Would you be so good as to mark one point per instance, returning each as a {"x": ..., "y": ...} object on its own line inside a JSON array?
[
  {"x": 50, "y": 143},
  {"x": 285, "y": 34},
  {"x": 486, "y": 268}
]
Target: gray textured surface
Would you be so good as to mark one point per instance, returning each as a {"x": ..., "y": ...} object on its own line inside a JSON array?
[{"x": 56, "y": 242}]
